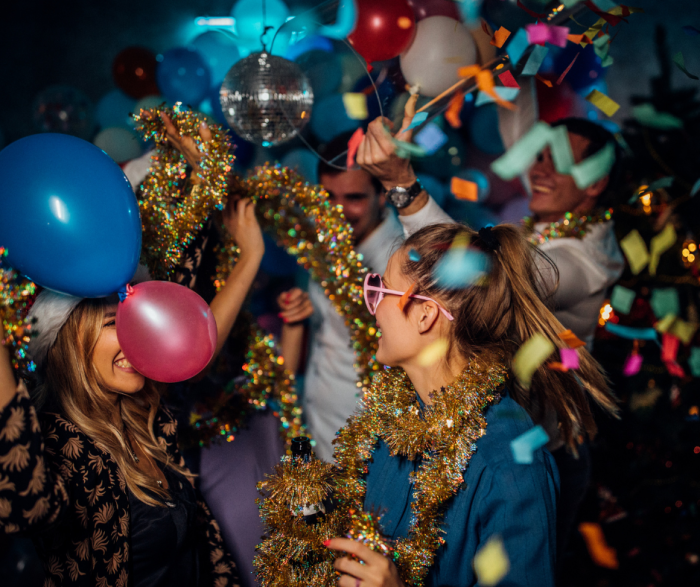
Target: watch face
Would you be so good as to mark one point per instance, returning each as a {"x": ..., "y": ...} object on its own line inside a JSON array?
[{"x": 399, "y": 197}]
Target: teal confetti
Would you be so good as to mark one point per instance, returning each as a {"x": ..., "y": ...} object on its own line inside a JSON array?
[
  {"x": 527, "y": 443},
  {"x": 413, "y": 255},
  {"x": 622, "y": 299},
  {"x": 534, "y": 62},
  {"x": 665, "y": 301},
  {"x": 461, "y": 267}
]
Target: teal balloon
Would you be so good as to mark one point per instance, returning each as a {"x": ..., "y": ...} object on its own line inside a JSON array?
[
  {"x": 120, "y": 144},
  {"x": 115, "y": 109},
  {"x": 70, "y": 221},
  {"x": 329, "y": 118},
  {"x": 304, "y": 161},
  {"x": 250, "y": 27},
  {"x": 183, "y": 76},
  {"x": 219, "y": 52}
]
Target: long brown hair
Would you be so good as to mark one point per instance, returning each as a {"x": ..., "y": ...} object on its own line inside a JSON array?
[
  {"x": 74, "y": 385},
  {"x": 498, "y": 315}
]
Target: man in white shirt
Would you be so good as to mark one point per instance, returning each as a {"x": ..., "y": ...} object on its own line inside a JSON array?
[{"x": 330, "y": 384}]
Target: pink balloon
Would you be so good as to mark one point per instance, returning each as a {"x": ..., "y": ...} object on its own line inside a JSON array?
[
  {"x": 166, "y": 331},
  {"x": 425, "y": 8}
]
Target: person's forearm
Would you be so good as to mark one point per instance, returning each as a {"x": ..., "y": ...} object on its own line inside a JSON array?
[
  {"x": 228, "y": 302},
  {"x": 8, "y": 387},
  {"x": 291, "y": 344}
]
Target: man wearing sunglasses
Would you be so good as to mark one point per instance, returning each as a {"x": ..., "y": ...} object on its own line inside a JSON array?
[{"x": 330, "y": 383}]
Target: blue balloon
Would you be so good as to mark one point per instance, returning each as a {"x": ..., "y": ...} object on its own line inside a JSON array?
[
  {"x": 70, "y": 220},
  {"x": 304, "y": 161},
  {"x": 483, "y": 130},
  {"x": 114, "y": 109},
  {"x": 250, "y": 18},
  {"x": 219, "y": 52},
  {"x": 329, "y": 118},
  {"x": 183, "y": 76}
]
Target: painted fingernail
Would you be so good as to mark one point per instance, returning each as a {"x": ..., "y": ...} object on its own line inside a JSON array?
[
  {"x": 205, "y": 125},
  {"x": 326, "y": 542},
  {"x": 285, "y": 320}
]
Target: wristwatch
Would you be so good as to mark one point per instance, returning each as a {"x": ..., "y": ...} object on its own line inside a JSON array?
[{"x": 402, "y": 197}]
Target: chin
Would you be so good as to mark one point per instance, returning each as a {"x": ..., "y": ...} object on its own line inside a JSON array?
[{"x": 133, "y": 385}]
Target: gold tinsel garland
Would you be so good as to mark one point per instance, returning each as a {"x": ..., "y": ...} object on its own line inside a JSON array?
[
  {"x": 571, "y": 226},
  {"x": 314, "y": 231},
  {"x": 17, "y": 295},
  {"x": 441, "y": 435},
  {"x": 171, "y": 220}
]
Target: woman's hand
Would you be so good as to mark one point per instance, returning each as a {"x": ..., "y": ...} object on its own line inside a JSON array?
[
  {"x": 240, "y": 221},
  {"x": 186, "y": 145},
  {"x": 295, "y": 305},
  {"x": 377, "y": 570}
]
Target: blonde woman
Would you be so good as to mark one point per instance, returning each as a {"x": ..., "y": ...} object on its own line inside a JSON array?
[{"x": 430, "y": 450}]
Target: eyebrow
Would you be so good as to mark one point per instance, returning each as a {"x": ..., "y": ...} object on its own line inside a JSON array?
[{"x": 110, "y": 315}]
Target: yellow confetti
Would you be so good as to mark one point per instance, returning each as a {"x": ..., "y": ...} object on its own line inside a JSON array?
[
  {"x": 659, "y": 245},
  {"x": 603, "y": 102},
  {"x": 684, "y": 330},
  {"x": 529, "y": 358},
  {"x": 433, "y": 352},
  {"x": 355, "y": 105},
  {"x": 635, "y": 250},
  {"x": 491, "y": 563},
  {"x": 665, "y": 324}
]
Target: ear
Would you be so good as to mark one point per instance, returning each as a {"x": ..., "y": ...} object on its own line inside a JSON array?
[
  {"x": 597, "y": 188},
  {"x": 427, "y": 314}
]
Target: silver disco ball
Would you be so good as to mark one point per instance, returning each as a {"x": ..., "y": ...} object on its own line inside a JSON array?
[{"x": 266, "y": 99}]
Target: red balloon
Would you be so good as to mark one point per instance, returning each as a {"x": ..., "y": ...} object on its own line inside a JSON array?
[
  {"x": 166, "y": 331},
  {"x": 384, "y": 29},
  {"x": 425, "y": 8},
  {"x": 134, "y": 72}
]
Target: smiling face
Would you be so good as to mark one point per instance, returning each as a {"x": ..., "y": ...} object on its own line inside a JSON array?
[
  {"x": 553, "y": 193},
  {"x": 356, "y": 193},
  {"x": 115, "y": 371}
]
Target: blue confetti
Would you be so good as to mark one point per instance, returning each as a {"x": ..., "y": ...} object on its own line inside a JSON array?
[
  {"x": 527, "y": 443},
  {"x": 631, "y": 333},
  {"x": 431, "y": 138},
  {"x": 696, "y": 188},
  {"x": 517, "y": 46},
  {"x": 461, "y": 268},
  {"x": 418, "y": 119},
  {"x": 505, "y": 94},
  {"x": 413, "y": 255}
]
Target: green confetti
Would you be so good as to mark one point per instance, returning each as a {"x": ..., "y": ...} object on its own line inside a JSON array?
[
  {"x": 622, "y": 299},
  {"x": 665, "y": 301},
  {"x": 595, "y": 167},
  {"x": 694, "y": 361},
  {"x": 648, "y": 116},
  {"x": 529, "y": 358},
  {"x": 680, "y": 63}
]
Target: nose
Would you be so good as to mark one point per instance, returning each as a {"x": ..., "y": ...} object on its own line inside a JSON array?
[{"x": 544, "y": 165}]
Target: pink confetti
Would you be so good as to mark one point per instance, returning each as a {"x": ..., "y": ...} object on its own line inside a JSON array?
[
  {"x": 569, "y": 358},
  {"x": 508, "y": 80},
  {"x": 353, "y": 145},
  {"x": 541, "y": 33},
  {"x": 633, "y": 364},
  {"x": 674, "y": 369}
]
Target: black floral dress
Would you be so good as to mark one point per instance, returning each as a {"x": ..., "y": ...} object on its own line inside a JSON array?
[{"x": 60, "y": 488}]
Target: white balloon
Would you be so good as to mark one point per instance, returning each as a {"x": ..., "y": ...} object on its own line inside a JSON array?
[
  {"x": 441, "y": 46},
  {"x": 119, "y": 143}
]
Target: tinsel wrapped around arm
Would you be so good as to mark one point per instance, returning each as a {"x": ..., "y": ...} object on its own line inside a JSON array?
[{"x": 171, "y": 219}]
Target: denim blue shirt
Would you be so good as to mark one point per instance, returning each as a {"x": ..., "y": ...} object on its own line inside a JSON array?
[{"x": 501, "y": 497}]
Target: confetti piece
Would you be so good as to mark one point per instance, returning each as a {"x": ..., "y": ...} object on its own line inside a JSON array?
[
  {"x": 491, "y": 562},
  {"x": 571, "y": 340},
  {"x": 665, "y": 324},
  {"x": 621, "y": 299},
  {"x": 648, "y": 116},
  {"x": 530, "y": 357},
  {"x": 665, "y": 301},
  {"x": 533, "y": 63},
  {"x": 541, "y": 33},
  {"x": 463, "y": 189},
  {"x": 576, "y": 39},
  {"x": 500, "y": 37},
  {"x": 604, "y": 103},
  {"x": 508, "y": 80},
  {"x": 605, "y": 4},
  {"x": 695, "y": 189},
  {"x": 516, "y": 160},
  {"x": 598, "y": 548},
  {"x": 517, "y": 46},
  {"x": 418, "y": 119},
  {"x": 680, "y": 63},
  {"x": 664, "y": 182},
  {"x": 355, "y": 105},
  {"x": 661, "y": 243},
  {"x": 691, "y": 31},
  {"x": 669, "y": 347},
  {"x": 431, "y": 138},
  {"x": 593, "y": 168},
  {"x": 527, "y": 443},
  {"x": 635, "y": 250},
  {"x": 461, "y": 267},
  {"x": 504, "y": 93},
  {"x": 413, "y": 255},
  {"x": 569, "y": 358},
  {"x": 555, "y": 366},
  {"x": 631, "y": 333},
  {"x": 674, "y": 369},
  {"x": 403, "y": 300},
  {"x": 562, "y": 154},
  {"x": 406, "y": 150},
  {"x": 353, "y": 145},
  {"x": 454, "y": 110},
  {"x": 633, "y": 364},
  {"x": 345, "y": 22},
  {"x": 685, "y": 331},
  {"x": 568, "y": 68},
  {"x": 433, "y": 353},
  {"x": 593, "y": 31},
  {"x": 694, "y": 361}
]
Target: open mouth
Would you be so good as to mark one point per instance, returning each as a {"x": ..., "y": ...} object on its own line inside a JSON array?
[
  {"x": 541, "y": 189},
  {"x": 124, "y": 365}
]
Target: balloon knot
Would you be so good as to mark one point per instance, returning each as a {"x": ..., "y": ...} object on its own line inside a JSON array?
[{"x": 125, "y": 292}]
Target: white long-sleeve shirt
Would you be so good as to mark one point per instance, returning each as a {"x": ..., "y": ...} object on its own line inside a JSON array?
[{"x": 331, "y": 393}]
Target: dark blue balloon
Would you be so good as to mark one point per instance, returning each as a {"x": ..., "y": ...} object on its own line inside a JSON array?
[
  {"x": 588, "y": 68},
  {"x": 183, "y": 76},
  {"x": 69, "y": 220}
]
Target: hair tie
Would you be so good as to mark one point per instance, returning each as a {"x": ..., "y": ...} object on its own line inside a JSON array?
[{"x": 489, "y": 238}]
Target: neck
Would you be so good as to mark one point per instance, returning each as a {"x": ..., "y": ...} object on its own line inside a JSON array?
[
  {"x": 556, "y": 216},
  {"x": 428, "y": 379}
]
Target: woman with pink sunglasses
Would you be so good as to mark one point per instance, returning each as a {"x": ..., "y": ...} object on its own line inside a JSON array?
[{"x": 431, "y": 449}]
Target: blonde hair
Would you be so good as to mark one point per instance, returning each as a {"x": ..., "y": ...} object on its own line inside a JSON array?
[
  {"x": 72, "y": 381},
  {"x": 497, "y": 316}
]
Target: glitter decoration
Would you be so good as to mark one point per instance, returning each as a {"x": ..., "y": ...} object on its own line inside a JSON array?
[
  {"x": 17, "y": 294},
  {"x": 303, "y": 221},
  {"x": 266, "y": 99},
  {"x": 441, "y": 436},
  {"x": 365, "y": 528},
  {"x": 573, "y": 225},
  {"x": 170, "y": 219}
]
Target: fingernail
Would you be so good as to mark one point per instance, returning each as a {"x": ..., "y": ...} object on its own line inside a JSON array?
[
  {"x": 285, "y": 320},
  {"x": 205, "y": 125},
  {"x": 326, "y": 542}
]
